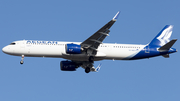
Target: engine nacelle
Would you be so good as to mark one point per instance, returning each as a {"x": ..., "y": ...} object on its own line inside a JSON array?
[
  {"x": 68, "y": 66},
  {"x": 73, "y": 49}
]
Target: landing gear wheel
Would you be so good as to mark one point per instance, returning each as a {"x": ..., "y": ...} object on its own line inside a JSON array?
[
  {"x": 87, "y": 70},
  {"x": 91, "y": 59},
  {"x": 21, "y": 62},
  {"x": 22, "y": 59}
]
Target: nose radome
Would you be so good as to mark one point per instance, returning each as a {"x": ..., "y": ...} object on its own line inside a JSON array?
[{"x": 5, "y": 49}]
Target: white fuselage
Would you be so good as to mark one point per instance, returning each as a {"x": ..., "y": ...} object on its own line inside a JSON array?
[{"x": 56, "y": 49}]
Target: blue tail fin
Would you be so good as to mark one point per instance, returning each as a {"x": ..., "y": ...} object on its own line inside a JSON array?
[{"x": 163, "y": 37}]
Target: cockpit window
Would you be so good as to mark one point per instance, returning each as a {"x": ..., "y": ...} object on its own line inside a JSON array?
[{"x": 12, "y": 43}]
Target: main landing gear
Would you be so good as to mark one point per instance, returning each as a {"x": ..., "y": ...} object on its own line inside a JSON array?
[
  {"x": 89, "y": 65},
  {"x": 91, "y": 59},
  {"x": 22, "y": 59},
  {"x": 87, "y": 70}
]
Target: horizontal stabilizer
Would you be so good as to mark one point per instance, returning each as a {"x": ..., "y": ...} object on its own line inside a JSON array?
[
  {"x": 168, "y": 45},
  {"x": 166, "y": 55}
]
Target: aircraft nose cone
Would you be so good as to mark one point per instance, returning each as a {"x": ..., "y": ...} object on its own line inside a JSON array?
[{"x": 5, "y": 49}]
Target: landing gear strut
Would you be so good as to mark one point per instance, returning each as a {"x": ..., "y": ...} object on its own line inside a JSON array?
[
  {"x": 91, "y": 59},
  {"x": 22, "y": 59}
]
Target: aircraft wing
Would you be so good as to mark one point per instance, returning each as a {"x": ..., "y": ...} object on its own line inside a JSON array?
[{"x": 91, "y": 44}]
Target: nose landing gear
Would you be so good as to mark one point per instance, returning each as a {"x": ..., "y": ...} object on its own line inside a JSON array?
[{"x": 22, "y": 59}]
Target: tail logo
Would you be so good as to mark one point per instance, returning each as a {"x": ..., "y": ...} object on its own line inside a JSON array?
[{"x": 165, "y": 35}]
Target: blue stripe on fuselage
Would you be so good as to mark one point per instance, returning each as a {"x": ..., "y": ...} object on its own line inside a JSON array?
[{"x": 148, "y": 52}]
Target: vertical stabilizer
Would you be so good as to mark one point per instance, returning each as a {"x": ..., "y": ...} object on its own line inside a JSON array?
[{"x": 163, "y": 37}]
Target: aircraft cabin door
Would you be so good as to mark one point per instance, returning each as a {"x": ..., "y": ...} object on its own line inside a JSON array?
[
  {"x": 109, "y": 47},
  {"x": 147, "y": 49},
  {"x": 22, "y": 46}
]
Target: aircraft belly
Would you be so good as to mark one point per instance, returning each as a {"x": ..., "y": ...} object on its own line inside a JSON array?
[
  {"x": 76, "y": 58},
  {"x": 120, "y": 54}
]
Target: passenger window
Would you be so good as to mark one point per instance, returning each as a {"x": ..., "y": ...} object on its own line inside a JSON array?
[{"x": 12, "y": 43}]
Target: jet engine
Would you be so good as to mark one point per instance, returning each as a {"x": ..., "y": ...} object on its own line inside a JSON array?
[
  {"x": 68, "y": 66},
  {"x": 73, "y": 49}
]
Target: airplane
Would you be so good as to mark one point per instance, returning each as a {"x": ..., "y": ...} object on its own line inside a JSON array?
[{"x": 83, "y": 54}]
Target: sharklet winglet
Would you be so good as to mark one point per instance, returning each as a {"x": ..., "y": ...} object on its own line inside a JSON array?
[{"x": 116, "y": 16}]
